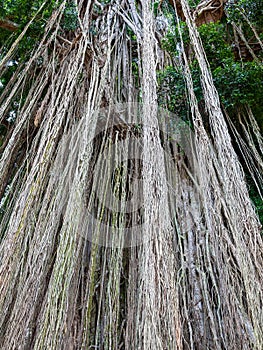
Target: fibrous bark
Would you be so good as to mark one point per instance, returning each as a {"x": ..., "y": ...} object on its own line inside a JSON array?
[{"x": 172, "y": 260}]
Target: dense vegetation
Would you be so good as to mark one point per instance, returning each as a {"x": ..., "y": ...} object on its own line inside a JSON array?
[{"x": 237, "y": 75}]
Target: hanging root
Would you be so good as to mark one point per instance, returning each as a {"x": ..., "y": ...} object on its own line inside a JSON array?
[{"x": 122, "y": 228}]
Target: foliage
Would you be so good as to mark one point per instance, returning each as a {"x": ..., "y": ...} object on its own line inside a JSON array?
[
  {"x": 70, "y": 20},
  {"x": 237, "y": 82},
  {"x": 21, "y": 12},
  {"x": 172, "y": 91},
  {"x": 253, "y": 9},
  {"x": 215, "y": 38}
]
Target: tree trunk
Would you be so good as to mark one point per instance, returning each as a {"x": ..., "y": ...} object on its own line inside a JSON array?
[{"x": 122, "y": 228}]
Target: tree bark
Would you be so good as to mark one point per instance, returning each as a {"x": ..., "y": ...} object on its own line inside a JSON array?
[{"x": 8, "y": 25}]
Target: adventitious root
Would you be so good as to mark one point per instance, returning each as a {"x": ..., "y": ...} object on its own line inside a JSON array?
[{"x": 122, "y": 228}]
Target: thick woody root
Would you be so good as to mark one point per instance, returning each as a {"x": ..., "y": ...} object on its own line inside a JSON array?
[{"x": 193, "y": 279}]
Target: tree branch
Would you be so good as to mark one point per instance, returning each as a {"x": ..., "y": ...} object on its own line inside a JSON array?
[{"x": 9, "y": 25}]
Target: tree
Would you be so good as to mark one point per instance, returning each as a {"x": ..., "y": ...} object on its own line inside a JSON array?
[{"x": 124, "y": 226}]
